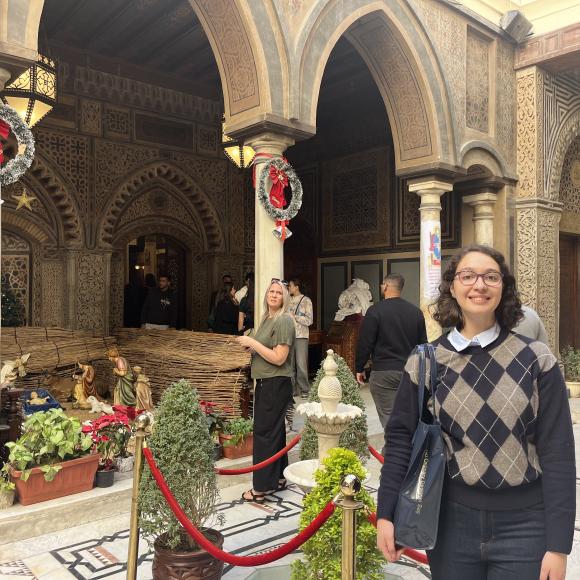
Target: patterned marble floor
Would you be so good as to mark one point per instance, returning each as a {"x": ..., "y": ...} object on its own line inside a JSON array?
[{"x": 99, "y": 550}]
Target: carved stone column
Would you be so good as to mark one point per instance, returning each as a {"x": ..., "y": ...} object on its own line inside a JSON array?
[
  {"x": 430, "y": 192},
  {"x": 538, "y": 260},
  {"x": 483, "y": 213},
  {"x": 269, "y": 251}
]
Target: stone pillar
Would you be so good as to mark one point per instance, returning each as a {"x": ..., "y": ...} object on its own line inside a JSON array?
[
  {"x": 483, "y": 214},
  {"x": 430, "y": 192},
  {"x": 538, "y": 261},
  {"x": 269, "y": 250}
]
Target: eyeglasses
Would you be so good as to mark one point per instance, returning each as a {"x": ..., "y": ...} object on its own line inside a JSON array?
[
  {"x": 469, "y": 278},
  {"x": 279, "y": 281}
]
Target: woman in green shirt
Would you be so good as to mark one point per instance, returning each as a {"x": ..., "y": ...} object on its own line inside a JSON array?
[{"x": 271, "y": 348}]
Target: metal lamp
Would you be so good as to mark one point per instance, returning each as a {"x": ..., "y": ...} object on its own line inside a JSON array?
[
  {"x": 33, "y": 93},
  {"x": 238, "y": 153}
]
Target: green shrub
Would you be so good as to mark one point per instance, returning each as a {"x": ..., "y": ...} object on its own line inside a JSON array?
[
  {"x": 323, "y": 551},
  {"x": 355, "y": 436},
  {"x": 183, "y": 450},
  {"x": 48, "y": 438},
  {"x": 571, "y": 360}
]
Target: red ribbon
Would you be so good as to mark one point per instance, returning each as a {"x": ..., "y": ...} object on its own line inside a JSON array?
[{"x": 4, "y": 132}]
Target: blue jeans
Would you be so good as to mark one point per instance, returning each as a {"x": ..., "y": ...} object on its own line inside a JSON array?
[{"x": 488, "y": 545}]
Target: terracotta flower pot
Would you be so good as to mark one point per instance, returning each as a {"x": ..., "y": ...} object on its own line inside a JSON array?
[
  {"x": 75, "y": 476},
  {"x": 177, "y": 565},
  {"x": 241, "y": 450},
  {"x": 573, "y": 388}
]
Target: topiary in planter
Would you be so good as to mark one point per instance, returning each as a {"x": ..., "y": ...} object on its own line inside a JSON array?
[
  {"x": 355, "y": 436},
  {"x": 323, "y": 551},
  {"x": 183, "y": 449}
]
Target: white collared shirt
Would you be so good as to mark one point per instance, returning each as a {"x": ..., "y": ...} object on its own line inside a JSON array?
[{"x": 482, "y": 339}]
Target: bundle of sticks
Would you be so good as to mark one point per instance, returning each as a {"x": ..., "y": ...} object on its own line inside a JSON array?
[{"x": 213, "y": 363}]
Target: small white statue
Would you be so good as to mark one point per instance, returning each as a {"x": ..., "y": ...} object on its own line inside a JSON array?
[
  {"x": 13, "y": 369},
  {"x": 99, "y": 406},
  {"x": 356, "y": 299}
]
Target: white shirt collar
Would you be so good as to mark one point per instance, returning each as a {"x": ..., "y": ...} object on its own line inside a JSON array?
[{"x": 482, "y": 339}]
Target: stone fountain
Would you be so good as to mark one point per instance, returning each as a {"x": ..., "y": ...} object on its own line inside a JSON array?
[{"x": 329, "y": 419}]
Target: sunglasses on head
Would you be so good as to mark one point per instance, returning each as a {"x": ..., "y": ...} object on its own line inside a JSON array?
[{"x": 279, "y": 280}]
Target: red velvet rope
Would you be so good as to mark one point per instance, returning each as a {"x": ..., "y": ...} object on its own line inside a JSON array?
[
  {"x": 262, "y": 463},
  {"x": 410, "y": 553},
  {"x": 204, "y": 543},
  {"x": 376, "y": 454}
]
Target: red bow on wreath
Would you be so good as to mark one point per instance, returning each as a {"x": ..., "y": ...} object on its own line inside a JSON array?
[
  {"x": 4, "y": 132},
  {"x": 279, "y": 181}
]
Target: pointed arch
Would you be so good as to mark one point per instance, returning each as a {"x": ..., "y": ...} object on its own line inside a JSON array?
[{"x": 175, "y": 178}]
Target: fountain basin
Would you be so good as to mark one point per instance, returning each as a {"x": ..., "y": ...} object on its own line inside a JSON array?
[
  {"x": 315, "y": 413},
  {"x": 302, "y": 474}
]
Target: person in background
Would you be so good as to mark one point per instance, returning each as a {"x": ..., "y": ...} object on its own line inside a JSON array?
[
  {"x": 246, "y": 315},
  {"x": 390, "y": 330},
  {"x": 243, "y": 291},
  {"x": 160, "y": 306},
  {"x": 271, "y": 348},
  {"x": 226, "y": 280},
  {"x": 226, "y": 312},
  {"x": 509, "y": 496},
  {"x": 531, "y": 325}
]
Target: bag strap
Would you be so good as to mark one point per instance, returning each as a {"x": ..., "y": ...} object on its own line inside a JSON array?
[{"x": 423, "y": 349}]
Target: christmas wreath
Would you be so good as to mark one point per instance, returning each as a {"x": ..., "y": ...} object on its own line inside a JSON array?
[
  {"x": 10, "y": 121},
  {"x": 281, "y": 174}
]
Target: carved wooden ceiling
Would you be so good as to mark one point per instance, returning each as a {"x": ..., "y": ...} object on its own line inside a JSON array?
[{"x": 159, "y": 41}]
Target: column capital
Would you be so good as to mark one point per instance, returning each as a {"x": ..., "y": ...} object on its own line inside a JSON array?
[
  {"x": 483, "y": 198},
  {"x": 422, "y": 186},
  {"x": 272, "y": 143}
]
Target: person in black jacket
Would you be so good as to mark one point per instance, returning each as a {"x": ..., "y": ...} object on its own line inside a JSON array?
[
  {"x": 160, "y": 307},
  {"x": 226, "y": 312},
  {"x": 390, "y": 331}
]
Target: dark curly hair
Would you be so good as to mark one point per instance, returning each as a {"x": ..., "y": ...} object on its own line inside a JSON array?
[{"x": 509, "y": 310}]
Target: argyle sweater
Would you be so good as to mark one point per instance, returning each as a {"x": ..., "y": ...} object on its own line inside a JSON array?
[{"x": 506, "y": 423}]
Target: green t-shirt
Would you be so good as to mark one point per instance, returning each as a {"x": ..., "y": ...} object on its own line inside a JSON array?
[{"x": 274, "y": 331}]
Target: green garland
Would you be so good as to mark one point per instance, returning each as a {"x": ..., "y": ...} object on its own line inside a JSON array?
[
  {"x": 16, "y": 167},
  {"x": 295, "y": 185}
]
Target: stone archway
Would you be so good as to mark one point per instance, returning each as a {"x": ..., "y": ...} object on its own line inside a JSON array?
[
  {"x": 393, "y": 44},
  {"x": 177, "y": 180}
]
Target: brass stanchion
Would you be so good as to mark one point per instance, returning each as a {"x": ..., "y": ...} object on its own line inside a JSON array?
[
  {"x": 142, "y": 422},
  {"x": 349, "y": 486}
]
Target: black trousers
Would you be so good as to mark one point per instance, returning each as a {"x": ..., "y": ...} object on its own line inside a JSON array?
[{"x": 271, "y": 399}]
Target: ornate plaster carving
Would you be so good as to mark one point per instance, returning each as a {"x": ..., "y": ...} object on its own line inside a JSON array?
[{"x": 177, "y": 179}]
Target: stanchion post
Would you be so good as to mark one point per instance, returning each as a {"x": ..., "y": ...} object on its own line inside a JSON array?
[
  {"x": 142, "y": 422},
  {"x": 350, "y": 485}
]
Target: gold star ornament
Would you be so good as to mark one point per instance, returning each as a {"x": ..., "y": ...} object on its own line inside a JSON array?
[{"x": 23, "y": 200}]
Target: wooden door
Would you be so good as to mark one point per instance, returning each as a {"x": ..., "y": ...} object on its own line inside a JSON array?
[{"x": 569, "y": 291}]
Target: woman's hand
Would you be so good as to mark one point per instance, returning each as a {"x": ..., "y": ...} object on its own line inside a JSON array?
[
  {"x": 386, "y": 540},
  {"x": 553, "y": 566},
  {"x": 247, "y": 342}
]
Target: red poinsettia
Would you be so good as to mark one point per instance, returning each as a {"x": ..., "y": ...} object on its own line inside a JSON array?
[{"x": 110, "y": 435}]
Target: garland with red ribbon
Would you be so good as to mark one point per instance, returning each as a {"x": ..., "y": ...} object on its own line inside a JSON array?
[
  {"x": 281, "y": 175},
  {"x": 10, "y": 122}
]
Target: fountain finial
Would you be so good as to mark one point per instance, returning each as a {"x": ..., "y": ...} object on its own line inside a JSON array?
[{"x": 329, "y": 389}]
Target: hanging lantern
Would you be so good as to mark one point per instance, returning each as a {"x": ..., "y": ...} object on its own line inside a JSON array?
[
  {"x": 241, "y": 155},
  {"x": 33, "y": 94}
]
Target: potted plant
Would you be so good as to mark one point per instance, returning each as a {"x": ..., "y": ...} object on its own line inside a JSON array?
[
  {"x": 570, "y": 357},
  {"x": 7, "y": 488},
  {"x": 52, "y": 458},
  {"x": 215, "y": 418},
  {"x": 355, "y": 436},
  {"x": 110, "y": 435},
  {"x": 237, "y": 437},
  {"x": 183, "y": 450},
  {"x": 322, "y": 553}
]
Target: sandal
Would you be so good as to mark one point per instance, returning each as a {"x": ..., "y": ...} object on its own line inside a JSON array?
[
  {"x": 282, "y": 485},
  {"x": 254, "y": 497}
]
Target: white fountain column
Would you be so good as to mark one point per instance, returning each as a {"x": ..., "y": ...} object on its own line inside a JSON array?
[
  {"x": 329, "y": 393},
  {"x": 483, "y": 214}
]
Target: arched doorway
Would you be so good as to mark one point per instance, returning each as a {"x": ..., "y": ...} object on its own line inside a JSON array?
[{"x": 148, "y": 257}]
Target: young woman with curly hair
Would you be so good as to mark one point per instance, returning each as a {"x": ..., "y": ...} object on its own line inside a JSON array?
[{"x": 508, "y": 504}]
